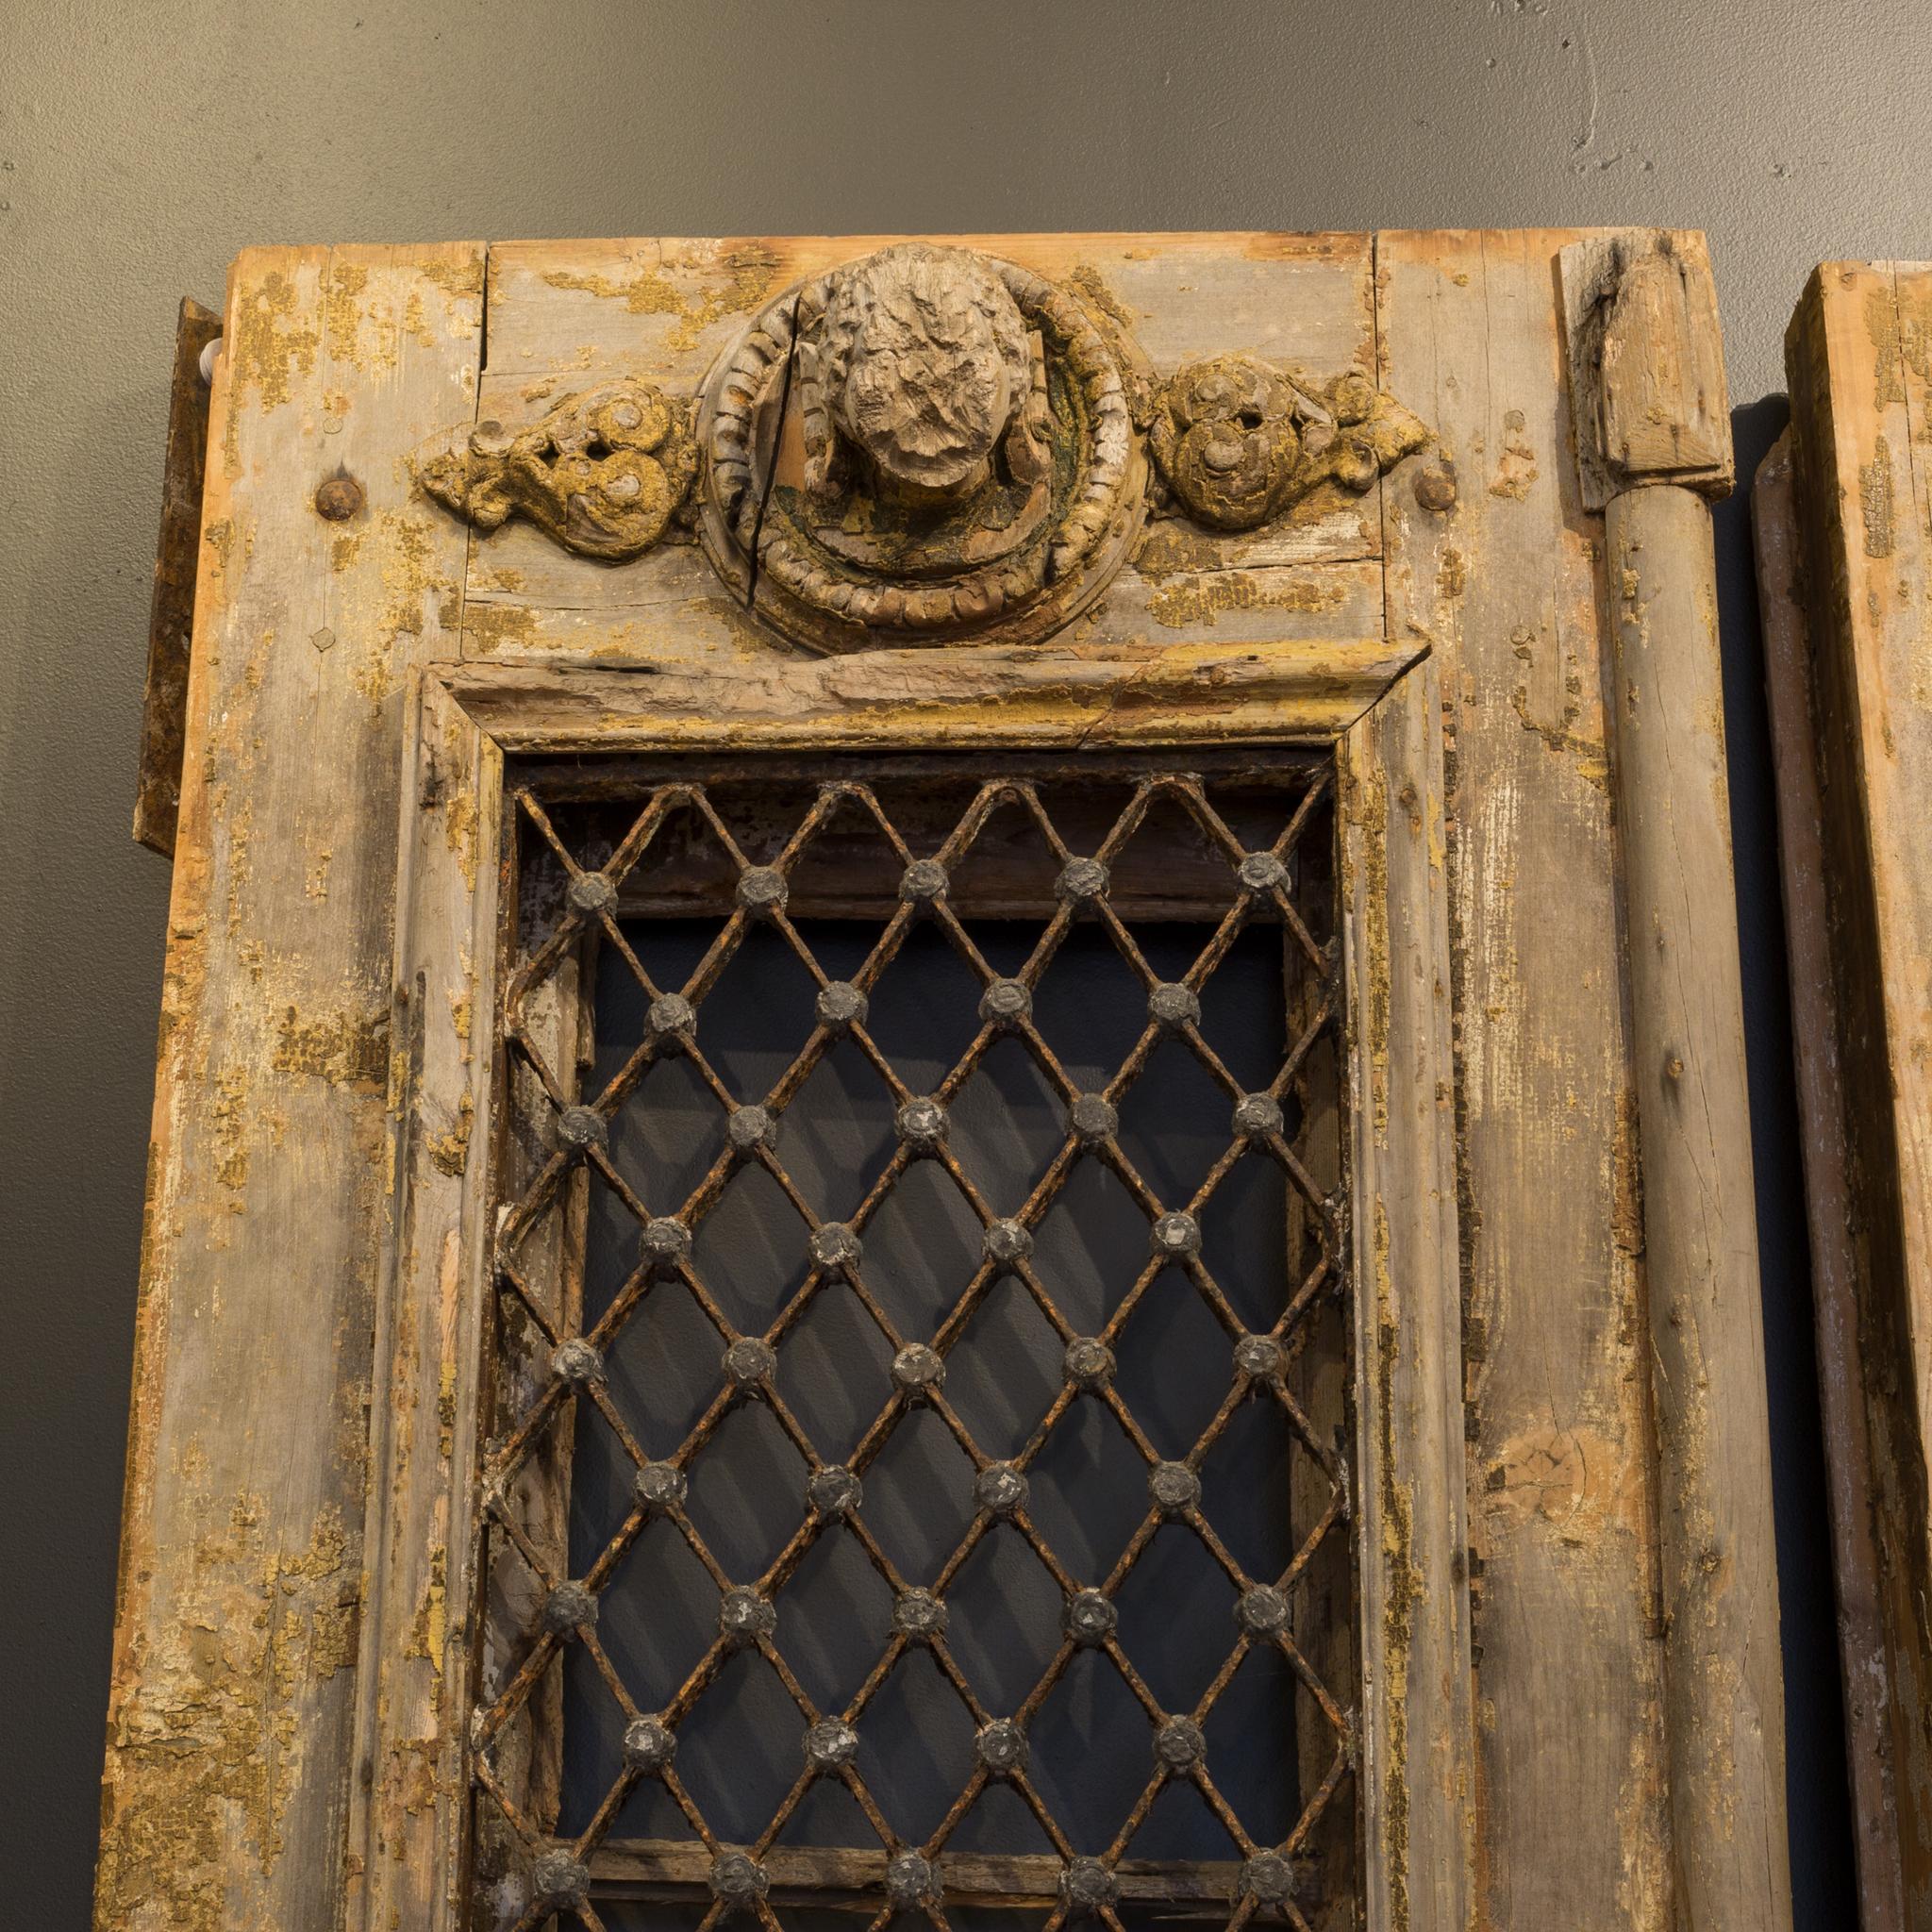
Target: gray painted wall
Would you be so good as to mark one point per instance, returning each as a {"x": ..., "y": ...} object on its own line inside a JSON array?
[{"x": 140, "y": 146}]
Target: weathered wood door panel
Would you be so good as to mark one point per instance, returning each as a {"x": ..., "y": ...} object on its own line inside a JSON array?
[
  {"x": 1840, "y": 509},
  {"x": 800, "y": 593}
]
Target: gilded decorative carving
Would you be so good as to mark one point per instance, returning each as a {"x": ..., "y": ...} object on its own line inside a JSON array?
[
  {"x": 924, "y": 442},
  {"x": 1240, "y": 442},
  {"x": 603, "y": 473}
]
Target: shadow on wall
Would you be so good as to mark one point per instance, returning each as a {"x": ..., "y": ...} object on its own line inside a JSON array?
[{"x": 1819, "y": 1800}]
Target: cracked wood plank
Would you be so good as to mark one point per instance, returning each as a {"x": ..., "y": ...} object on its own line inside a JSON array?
[
  {"x": 227, "y": 1769},
  {"x": 1504, "y": 585}
]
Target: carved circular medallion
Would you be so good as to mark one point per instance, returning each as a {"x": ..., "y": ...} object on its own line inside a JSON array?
[{"x": 921, "y": 445}]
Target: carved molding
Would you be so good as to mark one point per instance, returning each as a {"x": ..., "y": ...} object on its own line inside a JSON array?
[
  {"x": 924, "y": 441},
  {"x": 603, "y": 473},
  {"x": 1240, "y": 442}
]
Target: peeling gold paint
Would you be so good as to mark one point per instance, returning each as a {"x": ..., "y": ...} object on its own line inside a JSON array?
[
  {"x": 1181, "y": 606},
  {"x": 348, "y": 1049},
  {"x": 749, "y": 276}
]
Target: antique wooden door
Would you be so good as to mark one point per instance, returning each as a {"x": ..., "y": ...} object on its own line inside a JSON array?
[
  {"x": 951, "y": 1112},
  {"x": 1844, "y": 521}
]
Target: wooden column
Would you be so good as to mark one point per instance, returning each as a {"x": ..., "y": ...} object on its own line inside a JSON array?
[{"x": 1653, "y": 439}]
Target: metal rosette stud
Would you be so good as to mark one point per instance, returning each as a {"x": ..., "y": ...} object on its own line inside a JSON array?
[{"x": 927, "y": 491}]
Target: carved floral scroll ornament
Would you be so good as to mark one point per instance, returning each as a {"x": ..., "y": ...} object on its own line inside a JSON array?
[
  {"x": 926, "y": 442},
  {"x": 1240, "y": 442},
  {"x": 602, "y": 473}
]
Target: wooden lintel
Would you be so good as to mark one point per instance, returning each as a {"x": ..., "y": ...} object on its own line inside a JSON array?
[{"x": 171, "y": 616}]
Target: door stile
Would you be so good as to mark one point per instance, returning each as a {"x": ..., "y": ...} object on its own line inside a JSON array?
[
  {"x": 407, "y": 1820},
  {"x": 1418, "y": 1746}
]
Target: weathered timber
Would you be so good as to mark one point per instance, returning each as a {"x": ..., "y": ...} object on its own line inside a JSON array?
[
  {"x": 1493, "y": 567},
  {"x": 1418, "y": 1744},
  {"x": 1843, "y": 1370},
  {"x": 228, "y": 1772},
  {"x": 1647, "y": 376},
  {"x": 177, "y": 557},
  {"x": 1861, "y": 412}
]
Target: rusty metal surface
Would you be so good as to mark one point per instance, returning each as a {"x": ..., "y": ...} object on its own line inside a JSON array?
[
  {"x": 170, "y": 617},
  {"x": 550, "y": 1379}
]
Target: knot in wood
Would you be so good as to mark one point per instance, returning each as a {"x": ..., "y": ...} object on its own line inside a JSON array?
[
  {"x": 834, "y": 1490},
  {"x": 1000, "y": 1490},
  {"x": 649, "y": 1745}
]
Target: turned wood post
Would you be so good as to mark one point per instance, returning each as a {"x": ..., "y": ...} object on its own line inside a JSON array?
[{"x": 1653, "y": 441}]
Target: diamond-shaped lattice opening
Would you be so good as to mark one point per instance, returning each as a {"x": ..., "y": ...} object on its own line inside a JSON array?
[{"x": 920, "y": 1327}]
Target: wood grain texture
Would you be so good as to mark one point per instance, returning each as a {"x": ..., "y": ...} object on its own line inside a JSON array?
[
  {"x": 1504, "y": 585},
  {"x": 413, "y": 1668},
  {"x": 1724, "y": 1686},
  {"x": 1072, "y": 695},
  {"x": 1843, "y": 1370},
  {"x": 177, "y": 555},
  {"x": 1860, "y": 416},
  {"x": 1418, "y": 1740},
  {"x": 227, "y": 1768}
]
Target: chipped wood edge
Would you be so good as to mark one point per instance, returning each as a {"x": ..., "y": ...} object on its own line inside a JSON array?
[
  {"x": 1064, "y": 696},
  {"x": 1418, "y": 1741},
  {"x": 1640, "y": 315},
  {"x": 1724, "y": 1691},
  {"x": 1864, "y": 1667},
  {"x": 406, "y": 1815},
  {"x": 178, "y": 556}
]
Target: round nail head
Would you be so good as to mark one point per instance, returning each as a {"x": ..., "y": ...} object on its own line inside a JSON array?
[
  {"x": 919, "y": 1615},
  {"x": 557, "y": 1880},
  {"x": 1088, "y": 1618},
  {"x": 582, "y": 1126},
  {"x": 744, "y": 1616},
  {"x": 1178, "y": 1745},
  {"x": 649, "y": 1745},
  {"x": 1268, "y": 1878},
  {"x": 840, "y": 1007},
  {"x": 1089, "y": 1363},
  {"x": 660, "y": 1486},
  {"x": 761, "y": 891},
  {"x": 568, "y": 1608},
  {"x": 1173, "y": 1487},
  {"x": 592, "y": 892},
  {"x": 922, "y": 1124},
  {"x": 1005, "y": 1002},
  {"x": 749, "y": 1128},
  {"x": 1081, "y": 879},
  {"x": 999, "y": 1746},
  {"x": 834, "y": 1246},
  {"x": 909, "y": 1880},
  {"x": 922, "y": 882},
  {"x": 834, "y": 1490},
  {"x": 1000, "y": 1490},
  {"x": 1258, "y": 1355},
  {"x": 738, "y": 1879},
  {"x": 1086, "y": 1886},
  {"x": 1177, "y": 1236},
  {"x": 1257, "y": 1115},
  {"x": 748, "y": 1361},
  {"x": 1093, "y": 1118},
  {"x": 830, "y": 1745},
  {"x": 665, "y": 1243},
  {"x": 1263, "y": 1611},
  {"x": 1261, "y": 872},
  {"x": 1174, "y": 1006},
  {"x": 576, "y": 1361}
]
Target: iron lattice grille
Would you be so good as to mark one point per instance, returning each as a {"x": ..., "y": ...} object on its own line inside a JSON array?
[{"x": 1241, "y": 852}]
